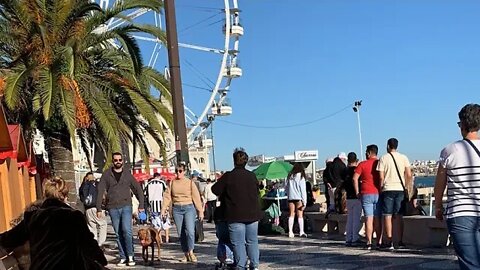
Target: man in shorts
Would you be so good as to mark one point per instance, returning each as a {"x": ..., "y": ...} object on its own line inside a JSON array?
[
  {"x": 368, "y": 192},
  {"x": 393, "y": 184}
]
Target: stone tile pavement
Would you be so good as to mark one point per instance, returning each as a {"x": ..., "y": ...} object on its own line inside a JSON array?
[{"x": 280, "y": 252}]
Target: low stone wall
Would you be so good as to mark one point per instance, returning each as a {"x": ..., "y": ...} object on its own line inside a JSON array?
[
  {"x": 420, "y": 231},
  {"x": 424, "y": 231}
]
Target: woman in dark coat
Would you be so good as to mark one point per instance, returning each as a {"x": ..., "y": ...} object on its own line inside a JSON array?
[{"x": 58, "y": 234}]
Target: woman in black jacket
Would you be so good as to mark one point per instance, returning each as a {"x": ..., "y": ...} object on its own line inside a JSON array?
[{"x": 58, "y": 234}]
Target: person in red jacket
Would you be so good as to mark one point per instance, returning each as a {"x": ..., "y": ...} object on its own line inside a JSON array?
[{"x": 238, "y": 190}]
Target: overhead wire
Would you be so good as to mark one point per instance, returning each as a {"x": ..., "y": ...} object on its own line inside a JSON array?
[
  {"x": 198, "y": 23},
  {"x": 198, "y": 87},
  {"x": 206, "y": 9},
  {"x": 290, "y": 125},
  {"x": 200, "y": 75}
]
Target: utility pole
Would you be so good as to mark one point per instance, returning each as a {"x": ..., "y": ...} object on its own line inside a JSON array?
[
  {"x": 356, "y": 109},
  {"x": 213, "y": 150},
  {"x": 180, "y": 129}
]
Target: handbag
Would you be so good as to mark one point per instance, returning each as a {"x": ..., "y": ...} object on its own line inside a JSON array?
[{"x": 405, "y": 190}]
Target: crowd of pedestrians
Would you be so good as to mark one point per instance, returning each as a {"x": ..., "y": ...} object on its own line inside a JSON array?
[
  {"x": 378, "y": 187},
  {"x": 381, "y": 188}
]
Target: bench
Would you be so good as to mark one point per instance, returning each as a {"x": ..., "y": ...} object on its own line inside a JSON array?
[{"x": 424, "y": 231}]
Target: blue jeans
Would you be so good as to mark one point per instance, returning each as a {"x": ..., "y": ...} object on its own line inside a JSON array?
[
  {"x": 392, "y": 202},
  {"x": 465, "y": 232},
  {"x": 371, "y": 204},
  {"x": 184, "y": 216},
  {"x": 244, "y": 238},
  {"x": 122, "y": 225},
  {"x": 224, "y": 247}
]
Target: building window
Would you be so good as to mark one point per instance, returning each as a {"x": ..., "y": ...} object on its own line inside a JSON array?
[
  {"x": 168, "y": 144},
  {"x": 202, "y": 160}
]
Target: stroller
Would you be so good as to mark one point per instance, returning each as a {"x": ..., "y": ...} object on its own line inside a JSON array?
[{"x": 224, "y": 247}]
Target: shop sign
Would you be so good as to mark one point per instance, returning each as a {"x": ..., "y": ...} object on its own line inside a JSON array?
[{"x": 306, "y": 155}]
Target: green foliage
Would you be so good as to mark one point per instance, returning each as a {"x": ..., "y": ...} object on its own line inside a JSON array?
[{"x": 71, "y": 75}]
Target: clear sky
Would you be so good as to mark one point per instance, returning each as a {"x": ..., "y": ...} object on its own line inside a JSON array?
[{"x": 413, "y": 63}]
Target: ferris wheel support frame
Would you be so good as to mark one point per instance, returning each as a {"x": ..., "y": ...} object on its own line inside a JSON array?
[{"x": 220, "y": 75}]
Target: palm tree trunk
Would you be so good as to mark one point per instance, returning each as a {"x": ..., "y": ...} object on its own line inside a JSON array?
[{"x": 61, "y": 162}]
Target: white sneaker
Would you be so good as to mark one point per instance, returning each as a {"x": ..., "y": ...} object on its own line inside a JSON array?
[
  {"x": 122, "y": 262},
  {"x": 131, "y": 261},
  {"x": 303, "y": 235},
  {"x": 291, "y": 235}
]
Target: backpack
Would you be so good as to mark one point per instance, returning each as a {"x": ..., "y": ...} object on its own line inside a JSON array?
[{"x": 89, "y": 194}]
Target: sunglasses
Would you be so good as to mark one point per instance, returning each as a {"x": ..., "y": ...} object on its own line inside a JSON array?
[
  {"x": 117, "y": 160},
  {"x": 179, "y": 171},
  {"x": 459, "y": 123}
]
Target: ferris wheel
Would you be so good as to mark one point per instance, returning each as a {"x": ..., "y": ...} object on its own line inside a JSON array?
[{"x": 223, "y": 59}]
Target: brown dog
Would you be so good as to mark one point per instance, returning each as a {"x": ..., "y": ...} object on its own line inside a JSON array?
[{"x": 149, "y": 237}]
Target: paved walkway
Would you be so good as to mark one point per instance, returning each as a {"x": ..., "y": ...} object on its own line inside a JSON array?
[{"x": 280, "y": 252}]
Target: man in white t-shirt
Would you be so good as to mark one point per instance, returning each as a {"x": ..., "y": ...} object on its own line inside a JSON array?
[
  {"x": 395, "y": 174},
  {"x": 459, "y": 170}
]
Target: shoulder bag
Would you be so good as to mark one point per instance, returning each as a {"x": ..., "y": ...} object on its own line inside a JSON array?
[
  {"x": 405, "y": 190},
  {"x": 473, "y": 146}
]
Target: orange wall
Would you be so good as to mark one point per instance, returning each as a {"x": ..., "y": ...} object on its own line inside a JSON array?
[
  {"x": 16, "y": 188},
  {"x": 5, "y": 198},
  {"x": 26, "y": 185},
  {"x": 33, "y": 189}
]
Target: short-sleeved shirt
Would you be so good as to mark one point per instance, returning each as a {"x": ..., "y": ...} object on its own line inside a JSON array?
[
  {"x": 463, "y": 178},
  {"x": 369, "y": 175},
  {"x": 386, "y": 164}
]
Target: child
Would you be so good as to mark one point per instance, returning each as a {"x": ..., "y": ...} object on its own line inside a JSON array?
[
  {"x": 224, "y": 246},
  {"x": 162, "y": 225}
]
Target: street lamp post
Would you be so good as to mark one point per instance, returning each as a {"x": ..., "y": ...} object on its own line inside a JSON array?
[{"x": 356, "y": 109}]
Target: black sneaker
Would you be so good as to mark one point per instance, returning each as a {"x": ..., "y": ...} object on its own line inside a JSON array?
[
  {"x": 358, "y": 243},
  {"x": 401, "y": 245},
  {"x": 387, "y": 247},
  {"x": 368, "y": 246}
]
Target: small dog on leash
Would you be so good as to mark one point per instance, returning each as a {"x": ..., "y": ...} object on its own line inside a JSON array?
[{"x": 149, "y": 237}]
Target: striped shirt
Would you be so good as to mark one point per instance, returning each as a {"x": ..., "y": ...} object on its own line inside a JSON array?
[
  {"x": 154, "y": 193},
  {"x": 462, "y": 165}
]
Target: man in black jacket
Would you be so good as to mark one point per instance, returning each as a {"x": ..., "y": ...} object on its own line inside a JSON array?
[
  {"x": 118, "y": 183},
  {"x": 238, "y": 190},
  {"x": 337, "y": 174}
]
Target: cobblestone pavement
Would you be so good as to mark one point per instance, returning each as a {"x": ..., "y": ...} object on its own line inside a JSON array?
[{"x": 280, "y": 252}]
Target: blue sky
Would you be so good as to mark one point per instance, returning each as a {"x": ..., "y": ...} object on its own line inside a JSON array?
[{"x": 413, "y": 63}]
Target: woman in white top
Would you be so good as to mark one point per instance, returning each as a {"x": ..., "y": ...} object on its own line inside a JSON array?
[
  {"x": 297, "y": 197},
  {"x": 459, "y": 169}
]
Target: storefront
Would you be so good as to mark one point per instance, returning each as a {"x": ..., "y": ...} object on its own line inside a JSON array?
[{"x": 307, "y": 157}]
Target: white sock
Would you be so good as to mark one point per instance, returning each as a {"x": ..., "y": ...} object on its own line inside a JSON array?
[
  {"x": 130, "y": 258},
  {"x": 290, "y": 225},
  {"x": 300, "y": 225}
]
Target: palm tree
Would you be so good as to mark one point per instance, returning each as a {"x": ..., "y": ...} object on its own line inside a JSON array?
[{"x": 63, "y": 72}]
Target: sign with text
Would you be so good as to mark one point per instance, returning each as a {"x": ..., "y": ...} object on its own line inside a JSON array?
[
  {"x": 255, "y": 160},
  {"x": 306, "y": 155}
]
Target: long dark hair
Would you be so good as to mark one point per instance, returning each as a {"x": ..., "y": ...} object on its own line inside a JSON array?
[{"x": 297, "y": 168}]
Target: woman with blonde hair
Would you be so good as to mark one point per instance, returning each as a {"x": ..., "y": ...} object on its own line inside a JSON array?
[{"x": 58, "y": 234}]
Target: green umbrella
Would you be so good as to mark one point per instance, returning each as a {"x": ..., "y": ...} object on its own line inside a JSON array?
[{"x": 273, "y": 170}]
